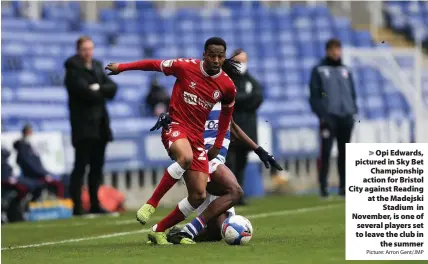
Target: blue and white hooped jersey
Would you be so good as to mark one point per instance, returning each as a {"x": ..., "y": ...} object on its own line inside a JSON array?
[{"x": 210, "y": 133}]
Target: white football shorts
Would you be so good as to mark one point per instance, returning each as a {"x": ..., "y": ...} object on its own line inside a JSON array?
[{"x": 213, "y": 164}]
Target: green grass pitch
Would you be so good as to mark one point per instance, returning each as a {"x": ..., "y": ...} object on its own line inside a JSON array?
[{"x": 296, "y": 230}]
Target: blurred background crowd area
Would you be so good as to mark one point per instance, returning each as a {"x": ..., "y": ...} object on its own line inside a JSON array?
[{"x": 283, "y": 39}]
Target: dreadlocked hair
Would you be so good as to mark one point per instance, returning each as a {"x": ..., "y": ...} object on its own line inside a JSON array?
[{"x": 231, "y": 66}]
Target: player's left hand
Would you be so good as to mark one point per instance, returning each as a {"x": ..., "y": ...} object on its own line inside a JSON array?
[
  {"x": 213, "y": 153},
  {"x": 163, "y": 121},
  {"x": 113, "y": 68},
  {"x": 267, "y": 158}
]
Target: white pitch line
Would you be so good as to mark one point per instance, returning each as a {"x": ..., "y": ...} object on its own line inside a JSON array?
[
  {"x": 77, "y": 240},
  {"x": 263, "y": 215}
]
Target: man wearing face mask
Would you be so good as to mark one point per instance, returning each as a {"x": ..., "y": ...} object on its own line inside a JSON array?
[
  {"x": 333, "y": 100},
  {"x": 88, "y": 89},
  {"x": 249, "y": 97}
]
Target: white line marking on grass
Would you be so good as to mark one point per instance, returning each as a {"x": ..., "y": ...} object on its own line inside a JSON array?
[
  {"x": 77, "y": 240},
  {"x": 293, "y": 211},
  {"x": 254, "y": 216}
]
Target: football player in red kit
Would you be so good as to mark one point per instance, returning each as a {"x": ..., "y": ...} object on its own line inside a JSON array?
[{"x": 199, "y": 86}]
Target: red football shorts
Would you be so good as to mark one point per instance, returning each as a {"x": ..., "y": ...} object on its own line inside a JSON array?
[{"x": 200, "y": 158}]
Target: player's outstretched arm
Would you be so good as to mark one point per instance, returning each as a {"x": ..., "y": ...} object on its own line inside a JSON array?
[
  {"x": 240, "y": 135},
  {"x": 168, "y": 67},
  {"x": 265, "y": 157},
  {"x": 142, "y": 65}
]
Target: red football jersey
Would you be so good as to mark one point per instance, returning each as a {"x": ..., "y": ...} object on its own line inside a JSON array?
[{"x": 195, "y": 92}]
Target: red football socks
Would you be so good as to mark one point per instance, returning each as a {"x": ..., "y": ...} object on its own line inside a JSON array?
[
  {"x": 164, "y": 186},
  {"x": 170, "y": 220}
]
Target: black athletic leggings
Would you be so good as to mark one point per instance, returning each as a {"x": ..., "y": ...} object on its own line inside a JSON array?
[
  {"x": 339, "y": 128},
  {"x": 92, "y": 153}
]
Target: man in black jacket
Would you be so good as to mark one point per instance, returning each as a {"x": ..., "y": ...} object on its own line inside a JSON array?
[
  {"x": 88, "y": 89},
  {"x": 249, "y": 97},
  {"x": 333, "y": 100}
]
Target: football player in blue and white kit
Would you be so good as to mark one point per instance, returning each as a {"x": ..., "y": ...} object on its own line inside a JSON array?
[{"x": 223, "y": 190}]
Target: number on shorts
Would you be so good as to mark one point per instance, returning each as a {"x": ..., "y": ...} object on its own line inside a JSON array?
[{"x": 202, "y": 156}]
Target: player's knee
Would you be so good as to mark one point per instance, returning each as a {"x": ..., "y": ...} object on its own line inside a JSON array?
[
  {"x": 197, "y": 198},
  {"x": 236, "y": 192},
  {"x": 185, "y": 161}
]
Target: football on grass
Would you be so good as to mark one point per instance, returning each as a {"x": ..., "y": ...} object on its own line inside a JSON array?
[{"x": 236, "y": 230}]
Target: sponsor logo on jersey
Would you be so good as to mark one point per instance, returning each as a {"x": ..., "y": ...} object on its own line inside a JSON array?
[
  {"x": 211, "y": 125},
  {"x": 216, "y": 94},
  {"x": 191, "y": 99},
  {"x": 205, "y": 104}
]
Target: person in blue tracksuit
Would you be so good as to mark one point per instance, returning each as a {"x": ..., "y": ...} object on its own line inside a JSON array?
[{"x": 333, "y": 99}]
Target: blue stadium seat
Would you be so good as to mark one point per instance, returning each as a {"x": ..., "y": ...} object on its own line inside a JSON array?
[
  {"x": 56, "y": 94},
  {"x": 23, "y": 78},
  {"x": 7, "y": 94},
  {"x": 132, "y": 93},
  {"x": 7, "y": 12},
  {"x": 130, "y": 78},
  {"x": 106, "y": 15},
  {"x": 58, "y": 13},
  {"x": 363, "y": 38},
  {"x": 100, "y": 28},
  {"x": 59, "y": 37},
  {"x": 298, "y": 121},
  {"x": 15, "y": 24},
  {"x": 61, "y": 125},
  {"x": 408, "y": 17},
  {"x": 34, "y": 110},
  {"x": 123, "y": 126},
  {"x": 119, "y": 109}
]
